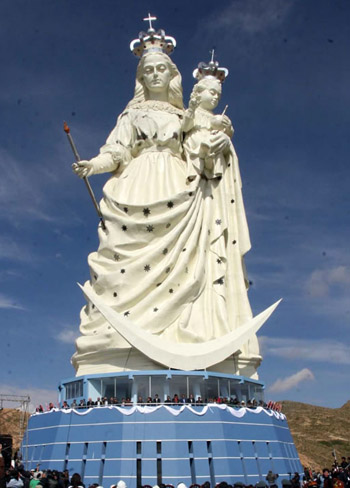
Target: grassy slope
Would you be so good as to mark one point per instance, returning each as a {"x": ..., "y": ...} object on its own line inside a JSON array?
[{"x": 317, "y": 430}]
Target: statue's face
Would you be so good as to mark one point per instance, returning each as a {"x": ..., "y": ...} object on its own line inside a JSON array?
[
  {"x": 210, "y": 95},
  {"x": 156, "y": 74}
]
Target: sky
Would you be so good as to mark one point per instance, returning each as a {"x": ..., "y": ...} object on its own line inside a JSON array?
[{"x": 288, "y": 94}]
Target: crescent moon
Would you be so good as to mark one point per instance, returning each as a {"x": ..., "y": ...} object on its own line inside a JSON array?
[{"x": 183, "y": 356}]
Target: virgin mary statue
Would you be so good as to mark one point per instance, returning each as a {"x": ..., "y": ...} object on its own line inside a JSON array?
[{"x": 170, "y": 263}]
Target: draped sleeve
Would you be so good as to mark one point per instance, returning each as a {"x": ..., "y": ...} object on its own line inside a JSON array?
[{"x": 120, "y": 142}]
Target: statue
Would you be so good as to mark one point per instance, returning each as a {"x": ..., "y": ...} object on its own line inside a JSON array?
[{"x": 168, "y": 277}]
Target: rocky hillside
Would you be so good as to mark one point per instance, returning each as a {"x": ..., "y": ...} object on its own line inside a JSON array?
[{"x": 316, "y": 431}]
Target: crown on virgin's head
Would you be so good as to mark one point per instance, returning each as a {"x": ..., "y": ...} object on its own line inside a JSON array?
[
  {"x": 210, "y": 70},
  {"x": 152, "y": 41}
]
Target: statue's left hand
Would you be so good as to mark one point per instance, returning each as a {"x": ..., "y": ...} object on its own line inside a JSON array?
[{"x": 83, "y": 168}]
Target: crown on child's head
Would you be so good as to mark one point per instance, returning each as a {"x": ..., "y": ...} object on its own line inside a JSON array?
[
  {"x": 152, "y": 41},
  {"x": 210, "y": 70}
]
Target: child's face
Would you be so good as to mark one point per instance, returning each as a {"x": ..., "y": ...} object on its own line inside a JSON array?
[{"x": 210, "y": 95}]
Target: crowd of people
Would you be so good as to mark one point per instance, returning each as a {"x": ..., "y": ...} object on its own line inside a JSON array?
[
  {"x": 336, "y": 477},
  {"x": 175, "y": 400}
]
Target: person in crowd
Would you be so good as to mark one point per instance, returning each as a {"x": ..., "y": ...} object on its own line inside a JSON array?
[
  {"x": 271, "y": 478},
  {"x": 120, "y": 484},
  {"x": 15, "y": 479},
  {"x": 296, "y": 480},
  {"x": 76, "y": 481},
  {"x": 35, "y": 479},
  {"x": 326, "y": 479}
]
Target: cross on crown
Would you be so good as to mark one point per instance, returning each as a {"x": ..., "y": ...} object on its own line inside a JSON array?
[
  {"x": 210, "y": 70},
  {"x": 152, "y": 40}
]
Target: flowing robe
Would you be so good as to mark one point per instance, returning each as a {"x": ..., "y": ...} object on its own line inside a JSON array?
[{"x": 172, "y": 256}]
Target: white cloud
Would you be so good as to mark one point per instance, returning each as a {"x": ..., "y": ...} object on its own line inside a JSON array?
[
  {"x": 67, "y": 336},
  {"x": 38, "y": 396},
  {"x": 254, "y": 15},
  {"x": 9, "y": 249},
  {"x": 21, "y": 189},
  {"x": 315, "y": 350},
  {"x": 321, "y": 281},
  {"x": 7, "y": 302},
  {"x": 292, "y": 381}
]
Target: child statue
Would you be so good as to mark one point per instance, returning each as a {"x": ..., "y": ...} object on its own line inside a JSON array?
[{"x": 207, "y": 141}]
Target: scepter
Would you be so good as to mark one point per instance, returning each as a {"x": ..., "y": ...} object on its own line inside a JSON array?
[{"x": 85, "y": 178}]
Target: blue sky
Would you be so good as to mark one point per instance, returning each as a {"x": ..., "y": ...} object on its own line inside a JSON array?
[{"x": 289, "y": 99}]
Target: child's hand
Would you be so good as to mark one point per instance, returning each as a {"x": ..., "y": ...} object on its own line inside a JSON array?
[
  {"x": 194, "y": 101},
  {"x": 220, "y": 122}
]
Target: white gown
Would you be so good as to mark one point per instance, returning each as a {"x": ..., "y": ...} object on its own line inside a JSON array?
[{"x": 172, "y": 256}]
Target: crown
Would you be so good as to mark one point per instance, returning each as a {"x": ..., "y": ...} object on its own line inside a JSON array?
[
  {"x": 210, "y": 70},
  {"x": 152, "y": 41}
]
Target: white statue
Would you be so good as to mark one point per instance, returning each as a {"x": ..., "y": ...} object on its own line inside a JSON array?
[{"x": 168, "y": 275}]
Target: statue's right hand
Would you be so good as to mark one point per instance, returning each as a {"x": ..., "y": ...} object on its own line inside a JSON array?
[{"x": 83, "y": 168}]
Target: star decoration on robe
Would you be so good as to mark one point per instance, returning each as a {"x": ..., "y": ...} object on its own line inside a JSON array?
[
  {"x": 122, "y": 271},
  {"x": 146, "y": 212},
  {"x": 218, "y": 221},
  {"x": 232, "y": 201},
  {"x": 126, "y": 210},
  {"x": 124, "y": 228},
  {"x": 150, "y": 228},
  {"x": 115, "y": 294},
  {"x": 171, "y": 290},
  {"x": 155, "y": 309},
  {"x": 127, "y": 313},
  {"x": 219, "y": 261},
  {"x": 168, "y": 225},
  {"x": 234, "y": 242},
  {"x": 167, "y": 270},
  {"x": 170, "y": 204},
  {"x": 184, "y": 249},
  {"x": 117, "y": 257},
  {"x": 165, "y": 251},
  {"x": 147, "y": 268},
  {"x": 220, "y": 281}
]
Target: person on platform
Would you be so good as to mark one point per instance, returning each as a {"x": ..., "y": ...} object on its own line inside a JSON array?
[{"x": 156, "y": 399}]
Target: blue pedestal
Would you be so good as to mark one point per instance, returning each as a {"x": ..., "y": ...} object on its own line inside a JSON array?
[{"x": 163, "y": 444}]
